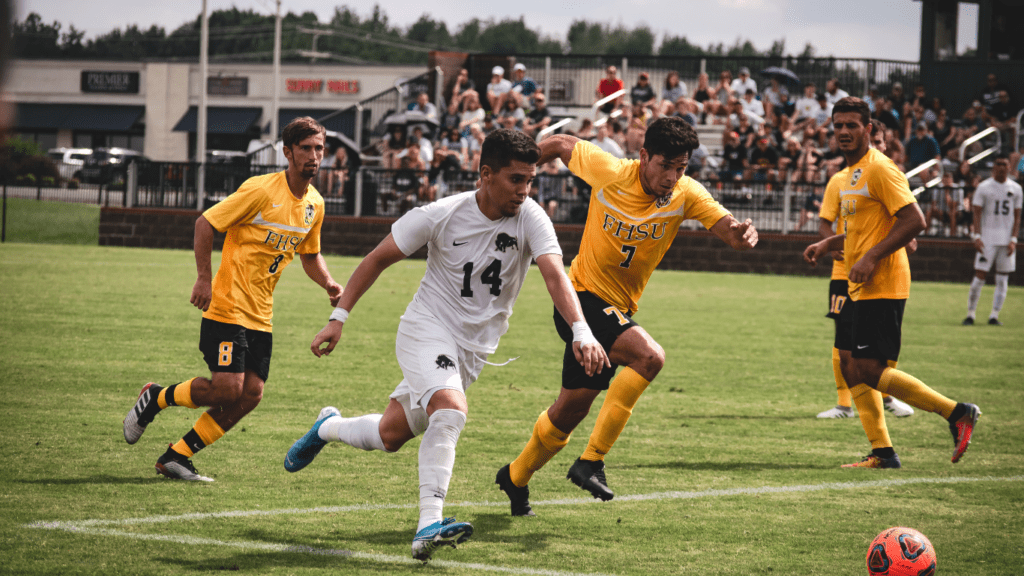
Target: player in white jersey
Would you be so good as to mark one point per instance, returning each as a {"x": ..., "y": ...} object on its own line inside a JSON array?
[
  {"x": 479, "y": 248},
  {"x": 996, "y": 205}
]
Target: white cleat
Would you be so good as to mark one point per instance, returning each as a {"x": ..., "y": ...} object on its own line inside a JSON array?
[
  {"x": 899, "y": 408},
  {"x": 837, "y": 412}
]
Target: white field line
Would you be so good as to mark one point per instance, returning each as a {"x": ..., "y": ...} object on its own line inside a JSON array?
[
  {"x": 272, "y": 547},
  {"x": 163, "y": 519}
]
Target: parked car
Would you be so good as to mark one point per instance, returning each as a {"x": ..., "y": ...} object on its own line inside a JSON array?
[
  {"x": 108, "y": 165},
  {"x": 69, "y": 161}
]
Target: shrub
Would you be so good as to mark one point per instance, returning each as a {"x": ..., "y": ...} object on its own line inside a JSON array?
[{"x": 73, "y": 184}]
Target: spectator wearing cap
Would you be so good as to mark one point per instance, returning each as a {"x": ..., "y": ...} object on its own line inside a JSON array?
[
  {"x": 642, "y": 93},
  {"x": 609, "y": 85},
  {"x": 497, "y": 88},
  {"x": 740, "y": 85},
  {"x": 734, "y": 159},
  {"x": 539, "y": 117},
  {"x": 763, "y": 163},
  {"x": 523, "y": 87},
  {"x": 834, "y": 92},
  {"x": 671, "y": 93},
  {"x": 922, "y": 148}
]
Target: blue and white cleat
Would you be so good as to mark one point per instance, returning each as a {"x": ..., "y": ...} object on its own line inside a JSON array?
[
  {"x": 447, "y": 532},
  {"x": 305, "y": 449}
]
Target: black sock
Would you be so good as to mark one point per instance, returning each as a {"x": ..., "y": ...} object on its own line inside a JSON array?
[
  {"x": 958, "y": 412},
  {"x": 884, "y": 453},
  {"x": 154, "y": 406}
]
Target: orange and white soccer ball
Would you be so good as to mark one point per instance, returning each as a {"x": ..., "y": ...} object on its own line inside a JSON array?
[{"x": 901, "y": 551}]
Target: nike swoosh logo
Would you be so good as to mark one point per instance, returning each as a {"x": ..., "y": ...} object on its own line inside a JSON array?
[
  {"x": 861, "y": 347},
  {"x": 454, "y": 243},
  {"x": 276, "y": 205},
  {"x": 288, "y": 461}
]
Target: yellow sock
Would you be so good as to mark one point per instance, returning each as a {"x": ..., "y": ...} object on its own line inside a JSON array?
[
  {"x": 177, "y": 395},
  {"x": 892, "y": 364},
  {"x": 914, "y": 392},
  {"x": 872, "y": 416},
  {"x": 545, "y": 442},
  {"x": 623, "y": 394},
  {"x": 842, "y": 391},
  {"x": 206, "y": 431}
]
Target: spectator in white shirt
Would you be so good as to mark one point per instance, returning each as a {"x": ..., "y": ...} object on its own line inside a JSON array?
[
  {"x": 833, "y": 92},
  {"x": 751, "y": 104},
  {"x": 605, "y": 142},
  {"x": 740, "y": 85},
  {"x": 498, "y": 86}
]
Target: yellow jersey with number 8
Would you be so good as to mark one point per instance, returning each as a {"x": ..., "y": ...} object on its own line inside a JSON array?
[
  {"x": 628, "y": 231},
  {"x": 265, "y": 226}
]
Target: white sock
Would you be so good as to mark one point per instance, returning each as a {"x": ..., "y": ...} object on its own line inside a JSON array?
[
  {"x": 1002, "y": 285},
  {"x": 974, "y": 295},
  {"x": 362, "y": 432},
  {"x": 437, "y": 458}
]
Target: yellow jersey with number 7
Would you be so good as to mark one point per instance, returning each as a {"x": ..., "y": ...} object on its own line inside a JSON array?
[
  {"x": 265, "y": 226},
  {"x": 628, "y": 231}
]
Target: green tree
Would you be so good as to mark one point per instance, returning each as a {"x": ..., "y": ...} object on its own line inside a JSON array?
[{"x": 34, "y": 38}]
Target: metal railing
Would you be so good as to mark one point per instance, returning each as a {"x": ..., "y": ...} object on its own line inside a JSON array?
[{"x": 977, "y": 137}]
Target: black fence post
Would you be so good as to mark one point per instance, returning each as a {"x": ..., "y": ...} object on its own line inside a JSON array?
[
  {"x": 3, "y": 224},
  {"x": 99, "y": 195},
  {"x": 39, "y": 189}
]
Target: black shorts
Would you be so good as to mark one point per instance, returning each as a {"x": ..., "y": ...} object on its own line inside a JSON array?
[
  {"x": 234, "y": 348},
  {"x": 838, "y": 295},
  {"x": 607, "y": 324},
  {"x": 871, "y": 328}
]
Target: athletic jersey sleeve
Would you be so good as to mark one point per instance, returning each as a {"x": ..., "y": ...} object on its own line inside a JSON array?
[
  {"x": 241, "y": 205},
  {"x": 413, "y": 230},
  {"x": 540, "y": 233},
  {"x": 830, "y": 201},
  {"x": 595, "y": 166},
  {"x": 1018, "y": 197},
  {"x": 701, "y": 206},
  {"x": 890, "y": 187}
]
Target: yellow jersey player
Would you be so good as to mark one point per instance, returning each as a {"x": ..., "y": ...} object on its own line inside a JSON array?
[
  {"x": 838, "y": 295},
  {"x": 878, "y": 217},
  {"x": 636, "y": 208},
  {"x": 266, "y": 221}
]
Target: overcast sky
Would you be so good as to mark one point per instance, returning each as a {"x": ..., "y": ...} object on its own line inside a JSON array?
[{"x": 867, "y": 29}]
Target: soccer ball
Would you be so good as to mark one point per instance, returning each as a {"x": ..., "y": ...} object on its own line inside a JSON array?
[{"x": 901, "y": 552}]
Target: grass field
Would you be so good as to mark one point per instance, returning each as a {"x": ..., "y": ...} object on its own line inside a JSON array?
[
  {"x": 723, "y": 468},
  {"x": 52, "y": 222}
]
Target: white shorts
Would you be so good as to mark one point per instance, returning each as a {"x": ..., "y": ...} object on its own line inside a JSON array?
[
  {"x": 430, "y": 361},
  {"x": 1005, "y": 263}
]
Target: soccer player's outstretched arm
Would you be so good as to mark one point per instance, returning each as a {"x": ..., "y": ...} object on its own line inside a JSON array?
[
  {"x": 316, "y": 269},
  {"x": 557, "y": 146},
  {"x": 589, "y": 353},
  {"x": 383, "y": 256},
  {"x": 202, "y": 292},
  {"x": 740, "y": 235},
  {"x": 831, "y": 244}
]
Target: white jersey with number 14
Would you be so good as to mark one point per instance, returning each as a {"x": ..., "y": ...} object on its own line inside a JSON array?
[{"x": 475, "y": 266}]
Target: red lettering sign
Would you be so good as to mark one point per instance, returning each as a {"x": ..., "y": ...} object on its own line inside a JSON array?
[
  {"x": 303, "y": 85},
  {"x": 343, "y": 86}
]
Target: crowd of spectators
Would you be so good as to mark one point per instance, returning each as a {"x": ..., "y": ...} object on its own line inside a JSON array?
[{"x": 770, "y": 133}]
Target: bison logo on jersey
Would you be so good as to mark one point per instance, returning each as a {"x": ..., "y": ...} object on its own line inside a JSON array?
[
  {"x": 663, "y": 201},
  {"x": 443, "y": 362},
  {"x": 856, "y": 177},
  {"x": 505, "y": 241},
  {"x": 307, "y": 217}
]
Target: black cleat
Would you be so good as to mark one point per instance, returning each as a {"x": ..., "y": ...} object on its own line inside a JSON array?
[
  {"x": 178, "y": 467},
  {"x": 968, "y": 321},
  {"x": 519, "y": 497},
  {"x": 994, "y": 322},
  {"x": 589, "y": 475},
  {"x": 142, "y": 413}
]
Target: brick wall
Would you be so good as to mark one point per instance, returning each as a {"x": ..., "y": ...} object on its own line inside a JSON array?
[{"x": 936, "y": 260}]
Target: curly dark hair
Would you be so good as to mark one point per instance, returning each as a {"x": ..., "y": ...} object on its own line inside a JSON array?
[
  {"x": 301, "y": 128},
  {"x": 853, "y": 104},
  {"x": 503, "y": 146},
  {"x": 670, "y": 137}
]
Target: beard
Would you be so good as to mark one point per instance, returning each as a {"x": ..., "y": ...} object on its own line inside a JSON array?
[{"x": 309, "y": 173}]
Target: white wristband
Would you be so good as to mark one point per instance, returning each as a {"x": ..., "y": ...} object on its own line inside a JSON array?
[
  {"x": 339, "y": 314},
  {"x": 975, "y": 236},
  {"x": 581, "y": 333},
  {"x": 1013, "y": 239}
]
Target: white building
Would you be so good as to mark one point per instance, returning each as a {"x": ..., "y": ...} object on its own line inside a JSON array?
[{"x": 151, "y": 106}]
